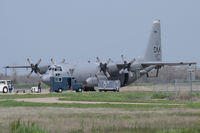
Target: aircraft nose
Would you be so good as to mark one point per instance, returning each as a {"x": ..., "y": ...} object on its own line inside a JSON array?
[{"x": 44, "y": 77}]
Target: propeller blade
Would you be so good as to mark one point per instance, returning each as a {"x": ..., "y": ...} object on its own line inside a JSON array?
[
  {"x": 63, "y": 61},
  {"x": 107, "y": 74},
  {"x": 108, "y": 61},
  {"x": 130, "y": 74},
  {"x": 132, "y": 61},
  {"x": 97, "y": 77},
  {"x": 38, "y": 61},
  {"x": 157, "y": 72},
  {"x": 103, "y": 67},
  {"x": 38, "y": 74},
  {"x": 126, "y": 70},
  {"x": 121, "y": 71},
  {"x": 30, "y": 74},
  {"x": 29, "y": 61},
  {"x": 98, "y": 59},
  {"x": 98, "y": 73},
  {"x": 52, "y": 61},
  {"x": 123, "y": 59}
]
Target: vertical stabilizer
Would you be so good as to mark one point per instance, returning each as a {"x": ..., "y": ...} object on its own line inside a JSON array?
[{"x": 154, "y": 51}]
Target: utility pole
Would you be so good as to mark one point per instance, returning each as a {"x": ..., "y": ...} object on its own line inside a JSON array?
[
  {"x": 190, "y": 85},
  {"x": 191, "y": 77}
]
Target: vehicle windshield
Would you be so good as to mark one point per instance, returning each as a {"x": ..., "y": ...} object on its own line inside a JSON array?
[{"x": 2, "y": 82}]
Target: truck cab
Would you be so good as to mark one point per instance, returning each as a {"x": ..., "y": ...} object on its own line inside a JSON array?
[
  {"x": 4, "y": 85},
  {"x": 59, "y": 84}
]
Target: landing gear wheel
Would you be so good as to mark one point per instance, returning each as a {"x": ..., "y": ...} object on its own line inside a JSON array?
[
  {"x": 60, "y": 90},
  {"x": 79, "y": 90},
  {"x": 5, "y": 90}
]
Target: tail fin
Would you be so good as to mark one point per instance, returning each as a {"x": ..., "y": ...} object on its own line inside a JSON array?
[{"x": 153, "y": 51}]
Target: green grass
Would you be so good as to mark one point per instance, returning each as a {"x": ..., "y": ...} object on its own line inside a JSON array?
[
  {"x": 141, "y": 84},
  {"x": 140, "y": 116},
  {"x": 136, "y": 97},
  {"x": 164, "y": 84},
  {"x": 180, "y": 131},
  {"x": 159, "y": 95},
  {"x": 12, "y": 103},
  {"x": 31, "y": 127},
  {"x": 132, "y": 97},
  {"x": 109, "y": 96},
  {"x": 22, "y": 127},
  {"x": 89, "y": 96},
  {"x": 160, "y": 100}
]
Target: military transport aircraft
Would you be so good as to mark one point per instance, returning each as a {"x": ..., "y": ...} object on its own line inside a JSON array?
[{"x": 127, "y": 72}]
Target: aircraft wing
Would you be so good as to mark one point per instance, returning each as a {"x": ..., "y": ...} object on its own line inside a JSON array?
[
  {"x": 120, "y": 66},
  {"x": 17, "y": 67},
  {"x": 161, "y": 64}
]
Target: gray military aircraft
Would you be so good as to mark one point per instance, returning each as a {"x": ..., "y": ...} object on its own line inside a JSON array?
[{"x": 127, "y": 72}]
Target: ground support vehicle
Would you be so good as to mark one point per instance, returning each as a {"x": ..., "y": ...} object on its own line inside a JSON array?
[
  {"x": 35, "y": 89},
  {"x": 20, "y": 90},
  {"x": 64, "y": 83},
  {"x": 108, "y": 85},
  {"x": 4, "y": 86}
]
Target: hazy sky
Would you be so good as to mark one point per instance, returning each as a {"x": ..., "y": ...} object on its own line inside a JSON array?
[{"x": 80, "y": 30}]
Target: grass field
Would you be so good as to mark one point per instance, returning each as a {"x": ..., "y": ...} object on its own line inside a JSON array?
[{"x": 159, "y": 117}]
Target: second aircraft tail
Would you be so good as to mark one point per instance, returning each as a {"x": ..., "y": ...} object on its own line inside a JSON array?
[{"x": 153, "y": 51}]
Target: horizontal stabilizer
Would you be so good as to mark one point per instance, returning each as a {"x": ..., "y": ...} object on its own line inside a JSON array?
[{"x": 168, "y": 64}]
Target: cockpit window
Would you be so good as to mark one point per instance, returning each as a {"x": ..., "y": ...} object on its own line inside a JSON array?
[
  {"x": 57, "y": 74},
  {"x": 57, "y": 68},
  {"x": 51, "y": 68},
  {"x": 2, "y": 82}
]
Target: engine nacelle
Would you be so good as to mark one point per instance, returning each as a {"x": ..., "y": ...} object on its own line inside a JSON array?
[
  {"x": 43, "y": 69},
  {"x": 93, "y": 81}
]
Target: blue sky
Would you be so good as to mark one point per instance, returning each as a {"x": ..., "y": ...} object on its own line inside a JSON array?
[{"x": 80, "y": 30}]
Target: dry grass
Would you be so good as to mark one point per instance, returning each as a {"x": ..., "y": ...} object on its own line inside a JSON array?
[
  {"x": 162, "y": 87},
  {"x": 62, "y": 120}
]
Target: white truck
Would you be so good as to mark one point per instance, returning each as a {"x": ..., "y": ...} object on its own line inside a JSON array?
[
  {"x": 4, "y": 85},
  {"x": 35, "y": 89},
  {"x": 108, "y": 85}
]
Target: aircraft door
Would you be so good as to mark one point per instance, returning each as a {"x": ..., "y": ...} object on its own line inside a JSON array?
[
  {"x": 69, "y": 81},
  {"x": 126, "y": 78},
  {"x": 137, "y": 73}
]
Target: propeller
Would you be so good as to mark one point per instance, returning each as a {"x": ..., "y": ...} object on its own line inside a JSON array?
[
  {"x": 127, "y": 66},
  {"x": 53, "y": 62},
  {"x": 34, "y": 67},
  {"x": 103, "y": 67},
  {"x": 63, "y": 61}
]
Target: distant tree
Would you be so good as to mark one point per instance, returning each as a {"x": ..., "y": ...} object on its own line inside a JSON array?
[{"x": 14, "y": 76}]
